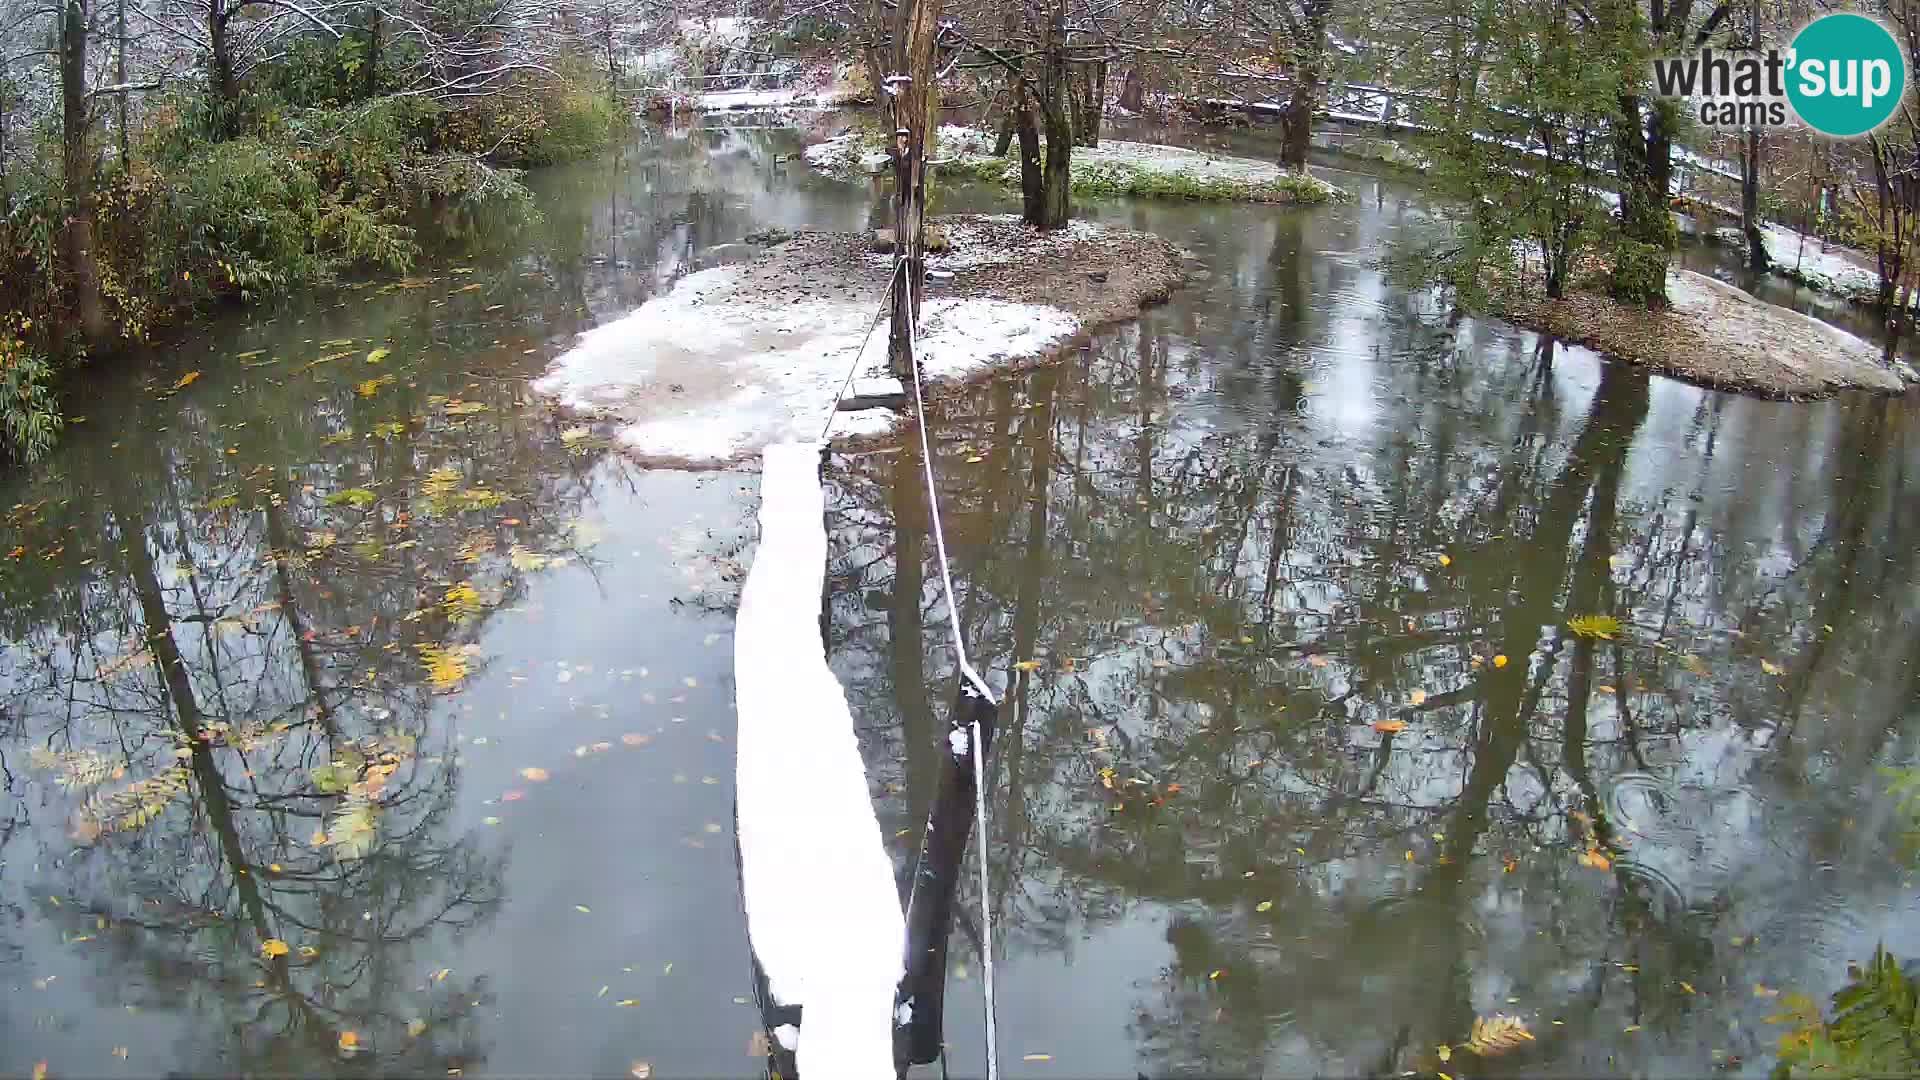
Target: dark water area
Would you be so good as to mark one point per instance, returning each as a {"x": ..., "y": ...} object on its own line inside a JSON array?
[{"x": 361, "y": 715}]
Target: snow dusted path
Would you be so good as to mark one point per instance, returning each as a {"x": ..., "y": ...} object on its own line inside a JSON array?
[{"x": 823, "y": 913}]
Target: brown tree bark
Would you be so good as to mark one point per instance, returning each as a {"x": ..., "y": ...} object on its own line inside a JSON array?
[
  {"x": 226, "y": 85},
  {"x": 914, "y": 102},
  {"x": 1309, "y": 71},
  {"x": 83, "y": 278}
]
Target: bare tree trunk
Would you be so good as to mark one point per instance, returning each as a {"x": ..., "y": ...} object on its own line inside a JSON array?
[
  {"x": 1310, "y": 57},
  {"x": 913, "y": 106},
  {"x": 83, "y": 277},
  {"x": 226, "y": 91},
  {"x": 1133, "y": 91},
  {"x": 1750, "y": 201},
  {"x": 1056, "y": 202},
  {"x": 371, "y": 87},
  {"x": 1032, "y": 180},
  {"x": 120, "y": 76},
  {"x": 1086, "y": 83}
]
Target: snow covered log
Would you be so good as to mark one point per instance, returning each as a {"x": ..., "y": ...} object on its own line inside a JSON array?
[{"x": 823, "y": 913}]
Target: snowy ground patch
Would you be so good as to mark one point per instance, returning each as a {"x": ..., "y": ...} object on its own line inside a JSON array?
[
  {"x": 1716, "y": 335},
  {"x": 708, "y": 374},
  {"x": 1115, "y": 167}
]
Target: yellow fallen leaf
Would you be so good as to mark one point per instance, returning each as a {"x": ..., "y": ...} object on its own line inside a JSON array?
[
  {"x": 534, "y": 773},
  {"x": 627, "y": 1003},
  {"x": 1769, "y": 667},
  {"x": 1688, "y": 987},
  {"x": 1445, "y": 560},
  {"x": 1594, "y": 859},
  {"x": 1445, "y": 1052},
  {"x": 441, "y": 975},
  {"x": 583, "y": 909},
  {"x": 349, "y": 1040},
  {"x": 1500, "y": 661},
  {"x": 1036, "y": 1057},
  {"x": 273, "y": 946},
  {"x": 1264, "y": 905},
  {"x": 1027, "y": 665},
  {"x": 186, "y": 380},
  {"x": 1217, "y": 973},
  {"x": 1389, "y": 727},
  {"x": 378, "y": 355},
  {"x": 416, "y": 1027},
  {"x": 1419, "y": 697}
]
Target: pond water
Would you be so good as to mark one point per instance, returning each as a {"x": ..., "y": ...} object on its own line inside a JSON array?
[{"x": 1302, "y": 767}]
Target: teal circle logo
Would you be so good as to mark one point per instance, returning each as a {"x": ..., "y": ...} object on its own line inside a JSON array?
[{"x": 1846, "y": 75}]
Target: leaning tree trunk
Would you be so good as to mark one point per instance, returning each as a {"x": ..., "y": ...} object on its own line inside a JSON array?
[{"x": 83, "y": 278}]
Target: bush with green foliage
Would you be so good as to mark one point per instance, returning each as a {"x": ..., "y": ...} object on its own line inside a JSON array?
[{"x": 324, "y": 173}]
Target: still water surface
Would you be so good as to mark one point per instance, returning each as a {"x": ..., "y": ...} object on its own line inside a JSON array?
[{"x": 1302, "y": 769}]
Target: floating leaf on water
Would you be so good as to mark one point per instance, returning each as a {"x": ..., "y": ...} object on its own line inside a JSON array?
[
  {"x": 1594, "y": 858},
  {"x": 334, "y": 777},
  {"x": 1769, "y": 667},
  {"x": 489, "y": 821},
  {"x": 353, "y": 828},
  {"x": 308, "y": 952},
  {"x": 1606, "y": 627},
  {"x": 370, "y": 387},
  {"x": 441, "y": 975},
  {"x": 1445, "y": 559},
  {"x": 416, "y": 1026},
  {"x": 465, "y": 408},
  {"x": 1046, "y": 1057},
  {"x": 1027, "y": 665},
  {"x": 186, "y": 380},
  {"x": 583, "y": 909},
  {"x": 534, "y": 773},
  {"x": 1389, "y": 727},
  {"x": 349, "y": 1040},
  {"x": 445, "y": 667},
  {"x": 1419, "y": 697},
  {"x": 628, "y": 1003},
  {"x": 634, "y": 738},
  {"x": 1495, "y": 1035},
  {"x": 378, "y": 355},
  {"x": 1500, "y": 661},
  {"x": 1217, "y": 972},
  {"x": 527, "y": 561},
  {"x": 1445, "y": 1053},
  {"x": 1263, "y": 906},
  {"x": 273, "y": 946}
]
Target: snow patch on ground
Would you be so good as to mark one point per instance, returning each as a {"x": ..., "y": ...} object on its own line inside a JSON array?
[
  {"x": 706, "y": 378},
  {"x": 843, "y": 153},
  {"x": 823, "y": 914},
  {"x": 1810, "y": 260},
  {"x": 722, "y": 100}
]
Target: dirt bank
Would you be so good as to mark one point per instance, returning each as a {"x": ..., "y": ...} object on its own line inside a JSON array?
[
  {"x": 739, "y": 356},
  {"x": 1718, "y": 336}
]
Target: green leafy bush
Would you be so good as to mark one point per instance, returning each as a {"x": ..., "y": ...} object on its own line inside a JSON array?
[{"x": 29, "y": 415}]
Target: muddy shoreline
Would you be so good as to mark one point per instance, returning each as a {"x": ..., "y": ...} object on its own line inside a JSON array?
[{"x": 1714, "y": 336}]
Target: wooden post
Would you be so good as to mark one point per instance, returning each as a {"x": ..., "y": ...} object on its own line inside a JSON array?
[
  {"x": 921, "y": 1003},
  {"x": 912, "y": 98}
]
